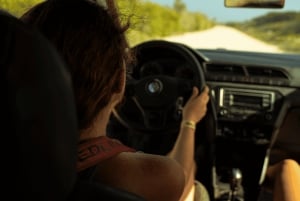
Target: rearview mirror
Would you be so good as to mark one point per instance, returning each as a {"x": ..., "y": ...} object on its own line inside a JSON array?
[{"x": 254, "y": 3}]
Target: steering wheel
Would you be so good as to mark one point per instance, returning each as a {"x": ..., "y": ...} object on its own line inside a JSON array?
[{"x": 160, "y": 84}]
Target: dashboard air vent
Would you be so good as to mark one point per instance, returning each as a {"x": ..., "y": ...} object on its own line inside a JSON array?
[
  {"x": 224, "y": 69},
  {"x": 236, "y": 73},
  {"x": 266, "y": 72}
]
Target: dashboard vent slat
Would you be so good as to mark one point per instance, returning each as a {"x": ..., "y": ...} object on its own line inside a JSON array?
[
  {"x": 221, "y": 69},
  {"x": 265, "y": 72},
  {"x": 238, "y": 73}
]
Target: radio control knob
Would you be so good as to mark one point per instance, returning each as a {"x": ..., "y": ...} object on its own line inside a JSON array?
[
  {"x": 268, "y": 116},
  {"x": 223, "y": 112}
]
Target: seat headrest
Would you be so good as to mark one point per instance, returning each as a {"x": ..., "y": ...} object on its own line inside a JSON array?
[{"x": 39, "y": 127}]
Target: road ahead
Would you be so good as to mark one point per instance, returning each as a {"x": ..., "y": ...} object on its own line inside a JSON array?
[{"x": 223, "y": 37}]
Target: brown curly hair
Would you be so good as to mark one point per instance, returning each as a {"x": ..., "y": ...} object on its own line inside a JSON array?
[{"x": 92, "y": 42}]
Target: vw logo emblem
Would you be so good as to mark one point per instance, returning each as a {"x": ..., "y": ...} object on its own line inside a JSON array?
[{"x": 154, "y": 87}]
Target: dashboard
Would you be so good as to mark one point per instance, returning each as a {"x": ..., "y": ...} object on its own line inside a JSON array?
[{"x": 247, "y": 87}]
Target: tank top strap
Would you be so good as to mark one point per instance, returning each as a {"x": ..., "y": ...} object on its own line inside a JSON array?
[{"x": 95, "y": 150}]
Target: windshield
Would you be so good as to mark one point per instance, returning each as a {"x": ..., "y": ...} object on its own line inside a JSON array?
[
  {"x": 204, "y": 24},
  {"x": 208, "y": 24}
]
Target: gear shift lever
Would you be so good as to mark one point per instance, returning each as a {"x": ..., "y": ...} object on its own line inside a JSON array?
[{"x": 235, "y": 183}]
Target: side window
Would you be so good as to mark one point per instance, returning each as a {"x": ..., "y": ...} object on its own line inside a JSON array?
[{"x": 17, "y": 7}]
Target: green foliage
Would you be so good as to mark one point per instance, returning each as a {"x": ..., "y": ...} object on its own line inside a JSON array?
[
  {"x": 281, "y": 29},
  {"x": 17, "y": 7},
  {"x": 149, "y": 20},
  {"x": 179, "y": 6},
  {"x": 194, "y": 22}
]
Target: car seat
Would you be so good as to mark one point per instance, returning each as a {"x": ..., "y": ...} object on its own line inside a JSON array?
[
  {"x": 285, "y": 140},
  {"x": 39, "y": 129}
]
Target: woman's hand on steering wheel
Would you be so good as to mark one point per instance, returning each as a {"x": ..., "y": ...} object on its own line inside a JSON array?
[{"x": 196, "y": 106}]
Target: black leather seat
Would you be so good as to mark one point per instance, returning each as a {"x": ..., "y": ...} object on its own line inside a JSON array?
[
  {"x": 39, "y": 129},
  {"x": 285, "y": 142},
  {"x": 40, "y": 118}
]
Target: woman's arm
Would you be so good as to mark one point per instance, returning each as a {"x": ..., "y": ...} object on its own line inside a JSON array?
[
  {"x": 183, "y": 150},
  {"x": 155, "y": 177}
]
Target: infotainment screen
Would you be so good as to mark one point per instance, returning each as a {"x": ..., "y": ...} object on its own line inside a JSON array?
[
  {"x": 255, "y": 102},
  {"x": 237, "y": 100}
]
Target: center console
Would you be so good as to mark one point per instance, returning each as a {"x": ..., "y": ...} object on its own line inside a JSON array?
[
  {"x": 246, "y": 114},
  {"x": 245, "y": 124}
]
